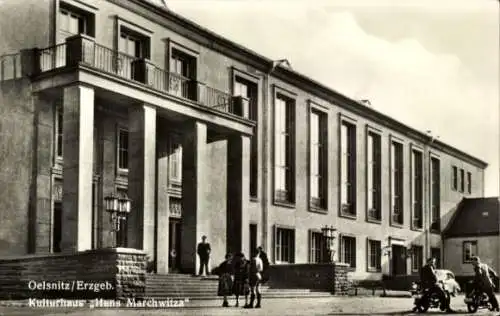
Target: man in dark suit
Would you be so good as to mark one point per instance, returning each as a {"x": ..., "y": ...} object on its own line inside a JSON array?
[
  {"x": 429, "y": 281},
  {"x": 204, "y": 253}
]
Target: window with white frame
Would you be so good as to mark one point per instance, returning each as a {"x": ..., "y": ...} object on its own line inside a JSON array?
[
  {"x": 417, "y": 188},
  {"x": 348, "y": 168},
  {"x": 58, "y": 131},
  {"x": 469, "y": 250},
  {"x": 417, "y": 257},
  {"x": 348, "y": 250},
  {"x": 175, "y": 160},
  {"x": 317, "y": 160},
  {"x": 374, "y": 177},
  {"x": 397, "y": 182},
  {"x": 435, "y": 194},
  {"x": 122, "y": 150},
  {"x": 316, "y": 247},
  {"x": 374, "y": 255},
  {"x": 73, "y": 20},
  {"x": 285, "y": 245},
  {"x": 284, "y": 156}
]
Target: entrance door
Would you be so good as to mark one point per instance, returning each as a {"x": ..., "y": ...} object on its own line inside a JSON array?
[
  {"x": 174, "y": 244},
  {"x": 57, "y": 227},
  {"x": 398, "y": 260},
  {"x": 253, "y": 238}
]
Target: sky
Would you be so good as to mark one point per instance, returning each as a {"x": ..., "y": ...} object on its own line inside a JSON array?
[{"x": 433, "y": 65}]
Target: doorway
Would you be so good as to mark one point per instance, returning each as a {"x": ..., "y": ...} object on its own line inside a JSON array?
[
  {"x": 174, "y": 244},
  {"x": 398, "y": 260},
  {"x": 253, "y": 238},
  {"x": 57, "y": 227}
]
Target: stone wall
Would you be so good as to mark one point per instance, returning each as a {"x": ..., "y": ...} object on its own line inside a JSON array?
[
  {"x": 321, "y": 277},
  {"x": 102, "y": 273}
]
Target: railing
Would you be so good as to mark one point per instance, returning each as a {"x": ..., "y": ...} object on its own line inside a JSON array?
[
  {"x": 83, "y": 50},
  {"x": 10, "y": 67},
  {"x": 52, "y": 57}
]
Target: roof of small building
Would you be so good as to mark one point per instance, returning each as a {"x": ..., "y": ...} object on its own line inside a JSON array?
[
  {"x": 160, "y": 3},
  {"x": 475, "y": 217}
]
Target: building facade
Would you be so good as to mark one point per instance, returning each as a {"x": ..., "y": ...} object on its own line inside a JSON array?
[{"x": 206, "y": 138}]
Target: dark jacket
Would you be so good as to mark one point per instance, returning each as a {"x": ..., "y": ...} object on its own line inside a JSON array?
[
  {"x": 428, "y": 276},
  {"x": 203, "y": 250}
]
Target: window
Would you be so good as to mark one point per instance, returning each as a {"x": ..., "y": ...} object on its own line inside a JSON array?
[
  {"x": 397, "y": 182},
  {"x": 284, "y": 156},
  {"x": 131, "y": 46},
  {"x": 374, "y": 177},
  {"x": 175, "y": 160},
  {"x": 435, "y": 195},
  {"x": 58, "y": 131},
  {"x": 316, "y": 247},
  {"x": 469, "y": 250},
  {"x": 454, "y": 181},
  {"x": 348, "y": 168},
  {"x": 73, "y": 20},
  {"x": 469, "y": 182},
  {"x": 462, "y": 180},
  {"x": 318, "y": 168},
  {"x": 417, "y": 189},
  {"x": 248, "y": 90},
  {"x": 183, "y": 71},
  {"x": 417, "y": 257},
  {"x": 348, "y": 250},
  {"x": 436, "y": 254},
  {"x": 122, "y": 150},
  {"x": 285, "y": 245},
  {"x": 374, "y": 255}
]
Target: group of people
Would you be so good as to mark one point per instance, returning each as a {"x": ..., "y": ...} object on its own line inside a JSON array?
[
  {"x": 240, "y": 276},
  {"x": 483, "y": 281}
]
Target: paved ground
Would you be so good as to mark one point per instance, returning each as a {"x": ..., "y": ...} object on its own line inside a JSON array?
[{"x": 318, "y": 306}]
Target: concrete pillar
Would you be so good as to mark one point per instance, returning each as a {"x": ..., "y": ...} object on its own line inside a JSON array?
[
  {"x": 141, "y": 178},
  {"x": 78, "y": 137},
  {"x": 108, "y": 146},
  {"x": 195, "y": 212},
  {"x": 44, "y": 149},
  {"x": 163, "y": 207},
  {"x": 238, "y": 191}
]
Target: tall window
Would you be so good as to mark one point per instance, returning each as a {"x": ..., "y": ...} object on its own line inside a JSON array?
[
  {"x": 454, "y": 181},
  {"x": 469, "y": 250},
  {"x": 348, "y": 250},
  {"x": 374, "y": 177},
  {"x": 58, "y": 130},
  {"x": 435, "y": 194},
  {"x": 175, "y": 160},
  {"x": 469, "y": 182},
  {"x": 318, "y": 169},
  {"x": 462, "y": 180},
  {"x": 183, "y": 71},
  {"x": 285, "y": 245},
  {"x": 248, "y": 90},
  {"x": 74, "y": 21},
  {"x": 397, "y": 182},
  {"x": 417, "y": 189},
  {"x": 316, "y": 247},
  {"x": 348, "y": 168},
  {"x": 374, "y": 255},
  {"x": 122, "y": 150},
  {"x": 417, "y": 256},
  {"x": 284, "y": 156}
]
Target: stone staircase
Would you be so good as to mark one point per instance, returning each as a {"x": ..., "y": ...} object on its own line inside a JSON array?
[{"x": 184, "y": 286}]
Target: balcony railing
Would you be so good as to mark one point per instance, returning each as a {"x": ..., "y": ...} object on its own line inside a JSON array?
[
  {"x": 10, "y": 67},
  {"x": 82, "y": 49}
]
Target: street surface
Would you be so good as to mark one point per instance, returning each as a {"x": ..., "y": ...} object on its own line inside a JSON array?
[{"x": 310, "y": 306}]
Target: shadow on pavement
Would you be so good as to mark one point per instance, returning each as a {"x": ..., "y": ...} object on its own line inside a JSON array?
[{"x": 436, "y": 312}]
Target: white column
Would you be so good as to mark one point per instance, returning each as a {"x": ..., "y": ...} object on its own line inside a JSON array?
[{"x": 78, "y": 138}]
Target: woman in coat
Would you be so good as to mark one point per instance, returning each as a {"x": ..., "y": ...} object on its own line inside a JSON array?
[
  {"x": 225, "y": 272},
  {"x": 240, "y": 285}
]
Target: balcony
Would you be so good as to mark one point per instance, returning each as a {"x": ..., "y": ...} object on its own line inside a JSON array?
[{"x": 82, "y": 50}]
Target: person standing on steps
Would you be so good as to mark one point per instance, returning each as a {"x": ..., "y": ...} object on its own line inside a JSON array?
[
  {"x": 265, "y": 264},
  {"x": 254, "y": 279},
  {"x": 204, "y": 254}
]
